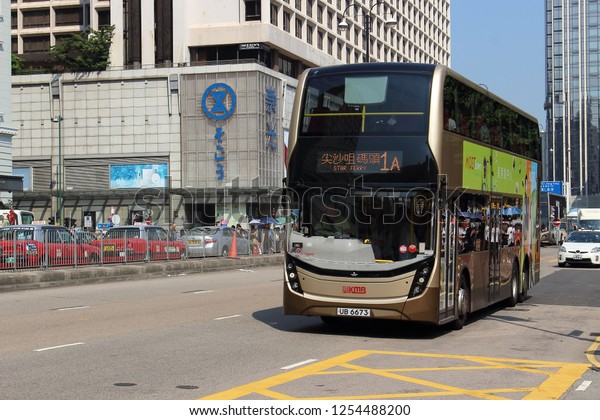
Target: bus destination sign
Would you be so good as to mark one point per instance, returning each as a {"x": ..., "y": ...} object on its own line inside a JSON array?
[{"x": 360, "y": 162}]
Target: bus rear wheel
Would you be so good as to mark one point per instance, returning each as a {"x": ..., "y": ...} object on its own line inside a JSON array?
[
  {"x": 514, "y": 287},
  {"x": 462, "y": 303},
  {"x": 525, "y": 288}
]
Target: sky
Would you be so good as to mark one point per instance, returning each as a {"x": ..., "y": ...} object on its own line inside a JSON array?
[{"x": 500, "y": 44}]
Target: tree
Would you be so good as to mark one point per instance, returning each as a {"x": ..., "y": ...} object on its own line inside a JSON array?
[
  {"x": 17, "y": 64},
  {"x": 84, "y": 51}
]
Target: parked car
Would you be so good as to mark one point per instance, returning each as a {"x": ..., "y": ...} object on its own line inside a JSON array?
[
  {"x": 43, "y": 246},
  {"x": 138, "y": 243},
  {"x": 580, "y": 247},
  {"x": 213, "y": 241}
]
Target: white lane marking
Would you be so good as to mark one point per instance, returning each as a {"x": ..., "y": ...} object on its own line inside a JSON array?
[
  {"x": 243, "y": 270},
  {"x": 584, "y": 385},
  {"x": 295, "y": 365},
  {"x": 72, "y": 308},
  {"x": 60, "y": 347},
  {"x": 226, "y": 317},
  {"x": 199, "y": 292}
]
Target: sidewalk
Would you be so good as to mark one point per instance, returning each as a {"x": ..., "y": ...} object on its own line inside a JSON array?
[{"x": 35, "y": 279}]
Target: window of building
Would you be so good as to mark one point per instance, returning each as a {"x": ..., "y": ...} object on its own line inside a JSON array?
[
  {"x": 286, "y": 21},
  {"x": 299, "y": 28},
  {"x": 70, "y": 16},
  {"x": 36, "y": 43},
  {"x": 103, "y": 18},
  {"x": 286, "y": 65},
  {"x": 36, "y": 18},
  {"x": 14, "y": 20},
  {"x": 274, "y": 13},
  {"x": 252, "y": 10}
]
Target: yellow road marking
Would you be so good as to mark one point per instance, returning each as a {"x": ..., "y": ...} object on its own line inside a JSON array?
[
  {"x": 594, "y": 351},
  {"x": 557, "y": 377}
]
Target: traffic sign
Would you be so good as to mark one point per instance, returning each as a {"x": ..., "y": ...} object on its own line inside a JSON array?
[
  {"x": 554, "y": 187},
  {"x": 556, "y": 222}
]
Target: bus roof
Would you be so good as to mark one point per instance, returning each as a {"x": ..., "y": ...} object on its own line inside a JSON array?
[
  {"x": 412, "y": 67},
  {"x": 428, "y": 68}
]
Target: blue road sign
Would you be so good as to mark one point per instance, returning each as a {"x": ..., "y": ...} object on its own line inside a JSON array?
[{"x": 553, "y": 187}]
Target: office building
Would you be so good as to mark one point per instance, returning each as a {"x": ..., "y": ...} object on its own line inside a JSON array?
[
  {"x": 573, "y": 95},
  {"x": 8, "y": 183},
  {"x": 141, "y": 140}
]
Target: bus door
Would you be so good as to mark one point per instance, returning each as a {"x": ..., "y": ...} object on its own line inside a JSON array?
[
  {"x": 448, "y": 253},
  {"x": 494, "y": 237}
]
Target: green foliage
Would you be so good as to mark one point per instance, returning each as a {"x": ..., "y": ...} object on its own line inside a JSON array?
[
  {"x": 17, "y": 64},
  {"x": 84, "y": 51}
]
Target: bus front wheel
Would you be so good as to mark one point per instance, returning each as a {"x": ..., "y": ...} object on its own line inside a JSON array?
[{"x": 462, "y": 303}]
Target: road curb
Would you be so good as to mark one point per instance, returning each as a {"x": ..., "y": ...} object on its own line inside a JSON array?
[{"x": 27, "y": 280}]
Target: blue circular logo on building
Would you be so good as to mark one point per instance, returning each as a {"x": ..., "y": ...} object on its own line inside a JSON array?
[{"x": 218, "y": 101}]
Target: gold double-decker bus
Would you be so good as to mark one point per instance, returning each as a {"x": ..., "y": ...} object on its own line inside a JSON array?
[{"x": 412, "y": 194}]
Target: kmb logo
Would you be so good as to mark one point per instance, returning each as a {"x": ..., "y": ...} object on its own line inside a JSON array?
[{"x": 354, "y": 290}]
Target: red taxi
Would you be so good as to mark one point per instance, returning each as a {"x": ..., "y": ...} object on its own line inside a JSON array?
[
  {"x": 138, "y": 243},
  {"x": 23, "y": 246}
]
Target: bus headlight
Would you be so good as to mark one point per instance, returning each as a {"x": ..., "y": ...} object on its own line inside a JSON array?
[
  {"x": 292, "y": 276},
  {"x": 421, "y": 279}
]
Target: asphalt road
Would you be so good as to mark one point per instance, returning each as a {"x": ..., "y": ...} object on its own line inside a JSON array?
[{"x": 223, "y": 335}]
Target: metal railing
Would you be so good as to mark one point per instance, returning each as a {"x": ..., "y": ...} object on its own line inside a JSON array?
[{"x": 49, "y": 250}]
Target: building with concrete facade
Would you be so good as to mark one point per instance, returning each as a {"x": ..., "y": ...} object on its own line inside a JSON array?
[
  {"x": 189, "y": 122},
  {"x": 8, "y": 182},
  {"x": 287, "y": 34},
  {"x": 573, "y": 95}
]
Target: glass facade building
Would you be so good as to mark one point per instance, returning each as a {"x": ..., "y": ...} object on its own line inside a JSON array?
[{"x": 573, "y": 94}]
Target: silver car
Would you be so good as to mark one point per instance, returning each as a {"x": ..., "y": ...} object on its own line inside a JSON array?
[{"x": 213, "y": 242}]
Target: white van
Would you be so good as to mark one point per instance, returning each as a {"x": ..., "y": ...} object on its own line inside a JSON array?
[
  {"x": 22, "y": 217},
  {"x": 588, "y": 219}
]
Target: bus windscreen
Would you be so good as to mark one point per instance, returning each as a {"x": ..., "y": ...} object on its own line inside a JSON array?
[{"x": 366, "y": 104}]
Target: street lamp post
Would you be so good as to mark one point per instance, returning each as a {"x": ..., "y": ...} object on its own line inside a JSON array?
[
  {"x": 553, "y": 163},
  {"x": 59, "y": 185},
  {"x": 368, "y": 20}
]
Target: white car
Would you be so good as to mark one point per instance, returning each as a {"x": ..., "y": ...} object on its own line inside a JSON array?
[{"x": 580, "y": 247}]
